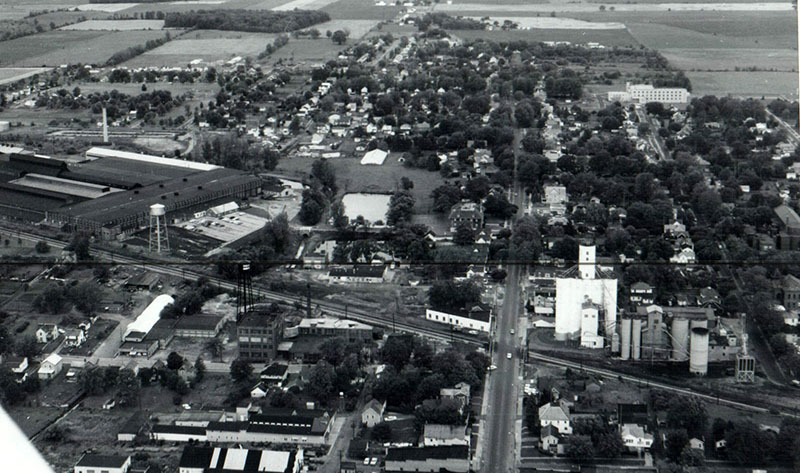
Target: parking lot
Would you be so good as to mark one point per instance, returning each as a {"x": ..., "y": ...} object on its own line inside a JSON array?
[{"x": 226, "y": 228}]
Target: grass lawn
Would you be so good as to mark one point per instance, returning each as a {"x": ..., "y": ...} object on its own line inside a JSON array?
[
  {"x": 357, "y": 28},
  {"x": 361, "y": 10},
  {"x": 116, "y": 25},
  {"x": 209, "y": 46},
  {"x": 748, "y": 84}
]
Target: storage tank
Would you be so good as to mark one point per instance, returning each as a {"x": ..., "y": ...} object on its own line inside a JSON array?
[
  {"x": 636, "y": 339},
  {"x": 698, "y": 354},
  {"x": 625, "y": 338},
  {"x": 680, "y": 339},
  {"x": 157, "y": 210},
  {"x": 695, "y": 323}
]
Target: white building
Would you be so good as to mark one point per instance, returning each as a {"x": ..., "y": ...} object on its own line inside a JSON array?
[
  {"x": 90, "y": 463},
  {"x": 476, "y": 318},
  {"x": 232, "y": 460},
  {"x": 635, "y": 437},
  {"x": 46, "y": 332},
  {"x": 556, "y": 413},
  {"x": 372, "y": 414},
  {"x": 643, "y": 93},
  {"x": 51, "y": 366},
  {"x": 436, "y": 435},
  {"x": 577, "y": 287}
]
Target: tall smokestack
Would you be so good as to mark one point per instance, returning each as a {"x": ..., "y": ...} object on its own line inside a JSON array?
[{"x": 105, "y": 126}]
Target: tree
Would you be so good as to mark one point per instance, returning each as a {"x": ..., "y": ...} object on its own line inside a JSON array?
[
  {"x": 747, "y": 444},
  {"x": 312, "y": 207},
  {"x": 27, "y": 346},
  {"x": 478, "y": 188},
  {"x": 277, "y": 234},
  {"x": 687, "y": 413},
  {"x": 531, "y": 413},
  {"x": 339, "y": 37},
  {"x": 241, "y": 370},
  {"x": 321, "y": 381},
  {"x": 86, "y": 297},
  {"x": 464, "y": 235},
  {"x": 314, "y": 33},
  {"x": 51, "y": 300},
  {"x": 445, "y": 197},
  {"x": 382, "y": 432},
  {"x": 42, "y": 247},
  {"x": 692, "y": 457},
  {"x": 525, "y": 241},
  {"x": 677, "y": 440},
  {"x": 6, "y": 342},
  {"x": 101, "y": 273},
  {"x": 397, "y": 351},
  {"x": 451, "y": 295},
  {"x": 609, "y": 444},
  {"x": 199, "y": 370},
  {"x": 406, "y": 183},
  {"x": 401, "y": 208},
  {"x": 174, "y": 361},
  {"x": 92, "y": 381},
  {"x": 129, "y": 388},
  {"x": 580, "y": 448},
  {"x": 80, "y": 246},
  {"x": 332, "y": 350}
]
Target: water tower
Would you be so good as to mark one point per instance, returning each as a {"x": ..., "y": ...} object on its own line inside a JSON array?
[{"x": 158, "y": 228}]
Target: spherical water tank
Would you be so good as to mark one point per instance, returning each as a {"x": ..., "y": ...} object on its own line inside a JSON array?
[
  {"x": 636, "y": 339},
  {"x": 698, "y": 353},
  {"x": 625, "y": 338},
  {"x": 680, "y": 339},
  {"x": 157, "y": 210}
]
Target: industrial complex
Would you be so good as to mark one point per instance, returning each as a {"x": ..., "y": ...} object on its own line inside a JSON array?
[{"x": 110, "y": 193}]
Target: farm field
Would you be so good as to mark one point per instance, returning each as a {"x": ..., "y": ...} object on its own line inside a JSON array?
[
  {"x": 303, "y": 5},
  {"x": 557, "y": 23},
  {"x": 116, "y": 25},
  {"x": 357, "y": 28},
  {"x": 209, "y": 46},
  {"x": 747, "y": 84},
  {"x": 13, "y": 74},
  {"x": 607, "y": 38},
  {"x": 730, "y": 59},
  {"x": 15, "y": 9},
  {"x": 54, "y": 48},
  {"x": 361, "y": 10},
  {"x": 105, "y": 7},
  {"x": 308, "y": 51},
  {"x": 566, "y": 7},
  {"x": 659, "y": 36}
]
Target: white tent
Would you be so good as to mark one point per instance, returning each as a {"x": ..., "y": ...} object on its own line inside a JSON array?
[
  {"x": 376, "y": 156},
  {"x": 149, "y": 315}
]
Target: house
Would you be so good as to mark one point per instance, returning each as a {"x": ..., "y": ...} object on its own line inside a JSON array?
[
  {"x": 556, "y": 413},
  {"x": 460, "y": 393},
  {"x": 370, "y": 274},
  {"x": 550, "y": 440},
  {"x": 696, "y": 444},
  {"x": 331, "y": 327},
  {"x": 453, "y": 459},
  {"x": 635, "y": 437},
  {"x": 274, "y": 374},
  {"x": 238, "y": 460},
  {"x": 435, "y": 435},
  {"x": 46, "y": 332},
  {"x": 74, "y": 337},
  {"x": 296, "y": 426},
  {"x": 17, "y": 364},
  {"x": 684, "y": 256},
  {"x": 259, "y": 390},
  {"x": 375, "y": 157},
  {"x": 51, "y": 366},
  {"x": 90, "y": 463},
  {"x": 790, "y": 288},
  {"x": 466, "y": 213},
  {"x": 372, "y": 414},
  {"x": 641, "y": 294},
  {"x": 178, "y": 433},
  {"x": 789, "y": 235},
  {"x": 476, "y": 317},
  {"x": 791, "y": 318}
]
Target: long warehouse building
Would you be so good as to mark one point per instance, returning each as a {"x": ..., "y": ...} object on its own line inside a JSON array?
[{"x": 124, "y": 212}]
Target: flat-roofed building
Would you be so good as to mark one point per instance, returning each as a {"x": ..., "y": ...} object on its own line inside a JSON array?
[
  {"x": 258, "y": 334},
  {"x": 453, "y": 459},
  {"x": 199, "y": 326},
  {"x": 238, "y": 460}
]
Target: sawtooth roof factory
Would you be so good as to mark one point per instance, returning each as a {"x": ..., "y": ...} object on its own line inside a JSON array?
[{"x": 109, "y": 193}]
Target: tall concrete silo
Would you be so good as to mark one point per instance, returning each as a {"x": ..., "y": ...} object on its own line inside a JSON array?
[
  {"x": 680, "y": 339},
  {"x": 625, "y": 338},
  {"x": 636, "y": 339},
  {"x": 698, "y": 353}
]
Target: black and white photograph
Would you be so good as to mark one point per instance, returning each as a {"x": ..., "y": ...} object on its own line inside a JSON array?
[{"x": 392, "y": 236}]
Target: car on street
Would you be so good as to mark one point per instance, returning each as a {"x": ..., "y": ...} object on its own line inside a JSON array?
[
  {"x": 512, "y": 331},
  {"x": 508, "y": 355}
]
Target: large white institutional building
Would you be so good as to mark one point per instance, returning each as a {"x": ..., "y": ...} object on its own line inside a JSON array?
[
  {"x": 586, "y": 302},
  {"x": 643, "y": 93}
]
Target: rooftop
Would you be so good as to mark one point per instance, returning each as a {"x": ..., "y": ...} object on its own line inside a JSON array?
[
  {"x": 230, "y": 460},
  {"x": 361, "y": 270},
  {"x": 460, "y": 452},
  {"x": 102, "y": 461},
  {"x": 198, "y": 322}
]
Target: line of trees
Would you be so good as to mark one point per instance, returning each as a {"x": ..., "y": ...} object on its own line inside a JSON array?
[
  {"x": 134, "y": 51},
  {"x": 261, "y": 21}
]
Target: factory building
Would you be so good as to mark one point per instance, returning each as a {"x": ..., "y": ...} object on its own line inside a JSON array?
[
  {"x": 586, "y": 302},
  {"x": 110, "y": 193}
]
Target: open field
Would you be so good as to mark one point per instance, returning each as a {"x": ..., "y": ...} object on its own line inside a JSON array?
[
  {"x": 658, "y": 36},
  {"x": 361, "y": 10},
  {"x": 607, "y": 38},
  {"x": 16, "y": 9},
  {"x": 13, "y": 74},
  {"x": 303, "y": 5},
  {"x": 749, "y": 84},
  {"x": 351, "y": 176},
  {"x": 209, "y": 46},
  {"x": 116, "y": 25},
  {"x": 308, "y": 51},
  {"x": 105, "y": 7},
  {"x": 357, "y": 28},
  {"x": 54, "y": 48},
  {"x": 557, "y": 23},
  {"x": 729, "y": 59},
  {"x": 456, "y": 8}
]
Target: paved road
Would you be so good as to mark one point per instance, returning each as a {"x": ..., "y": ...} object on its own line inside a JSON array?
[
  {"x": 792, "y": 133},
  {"x": 499, "y": 436}
]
